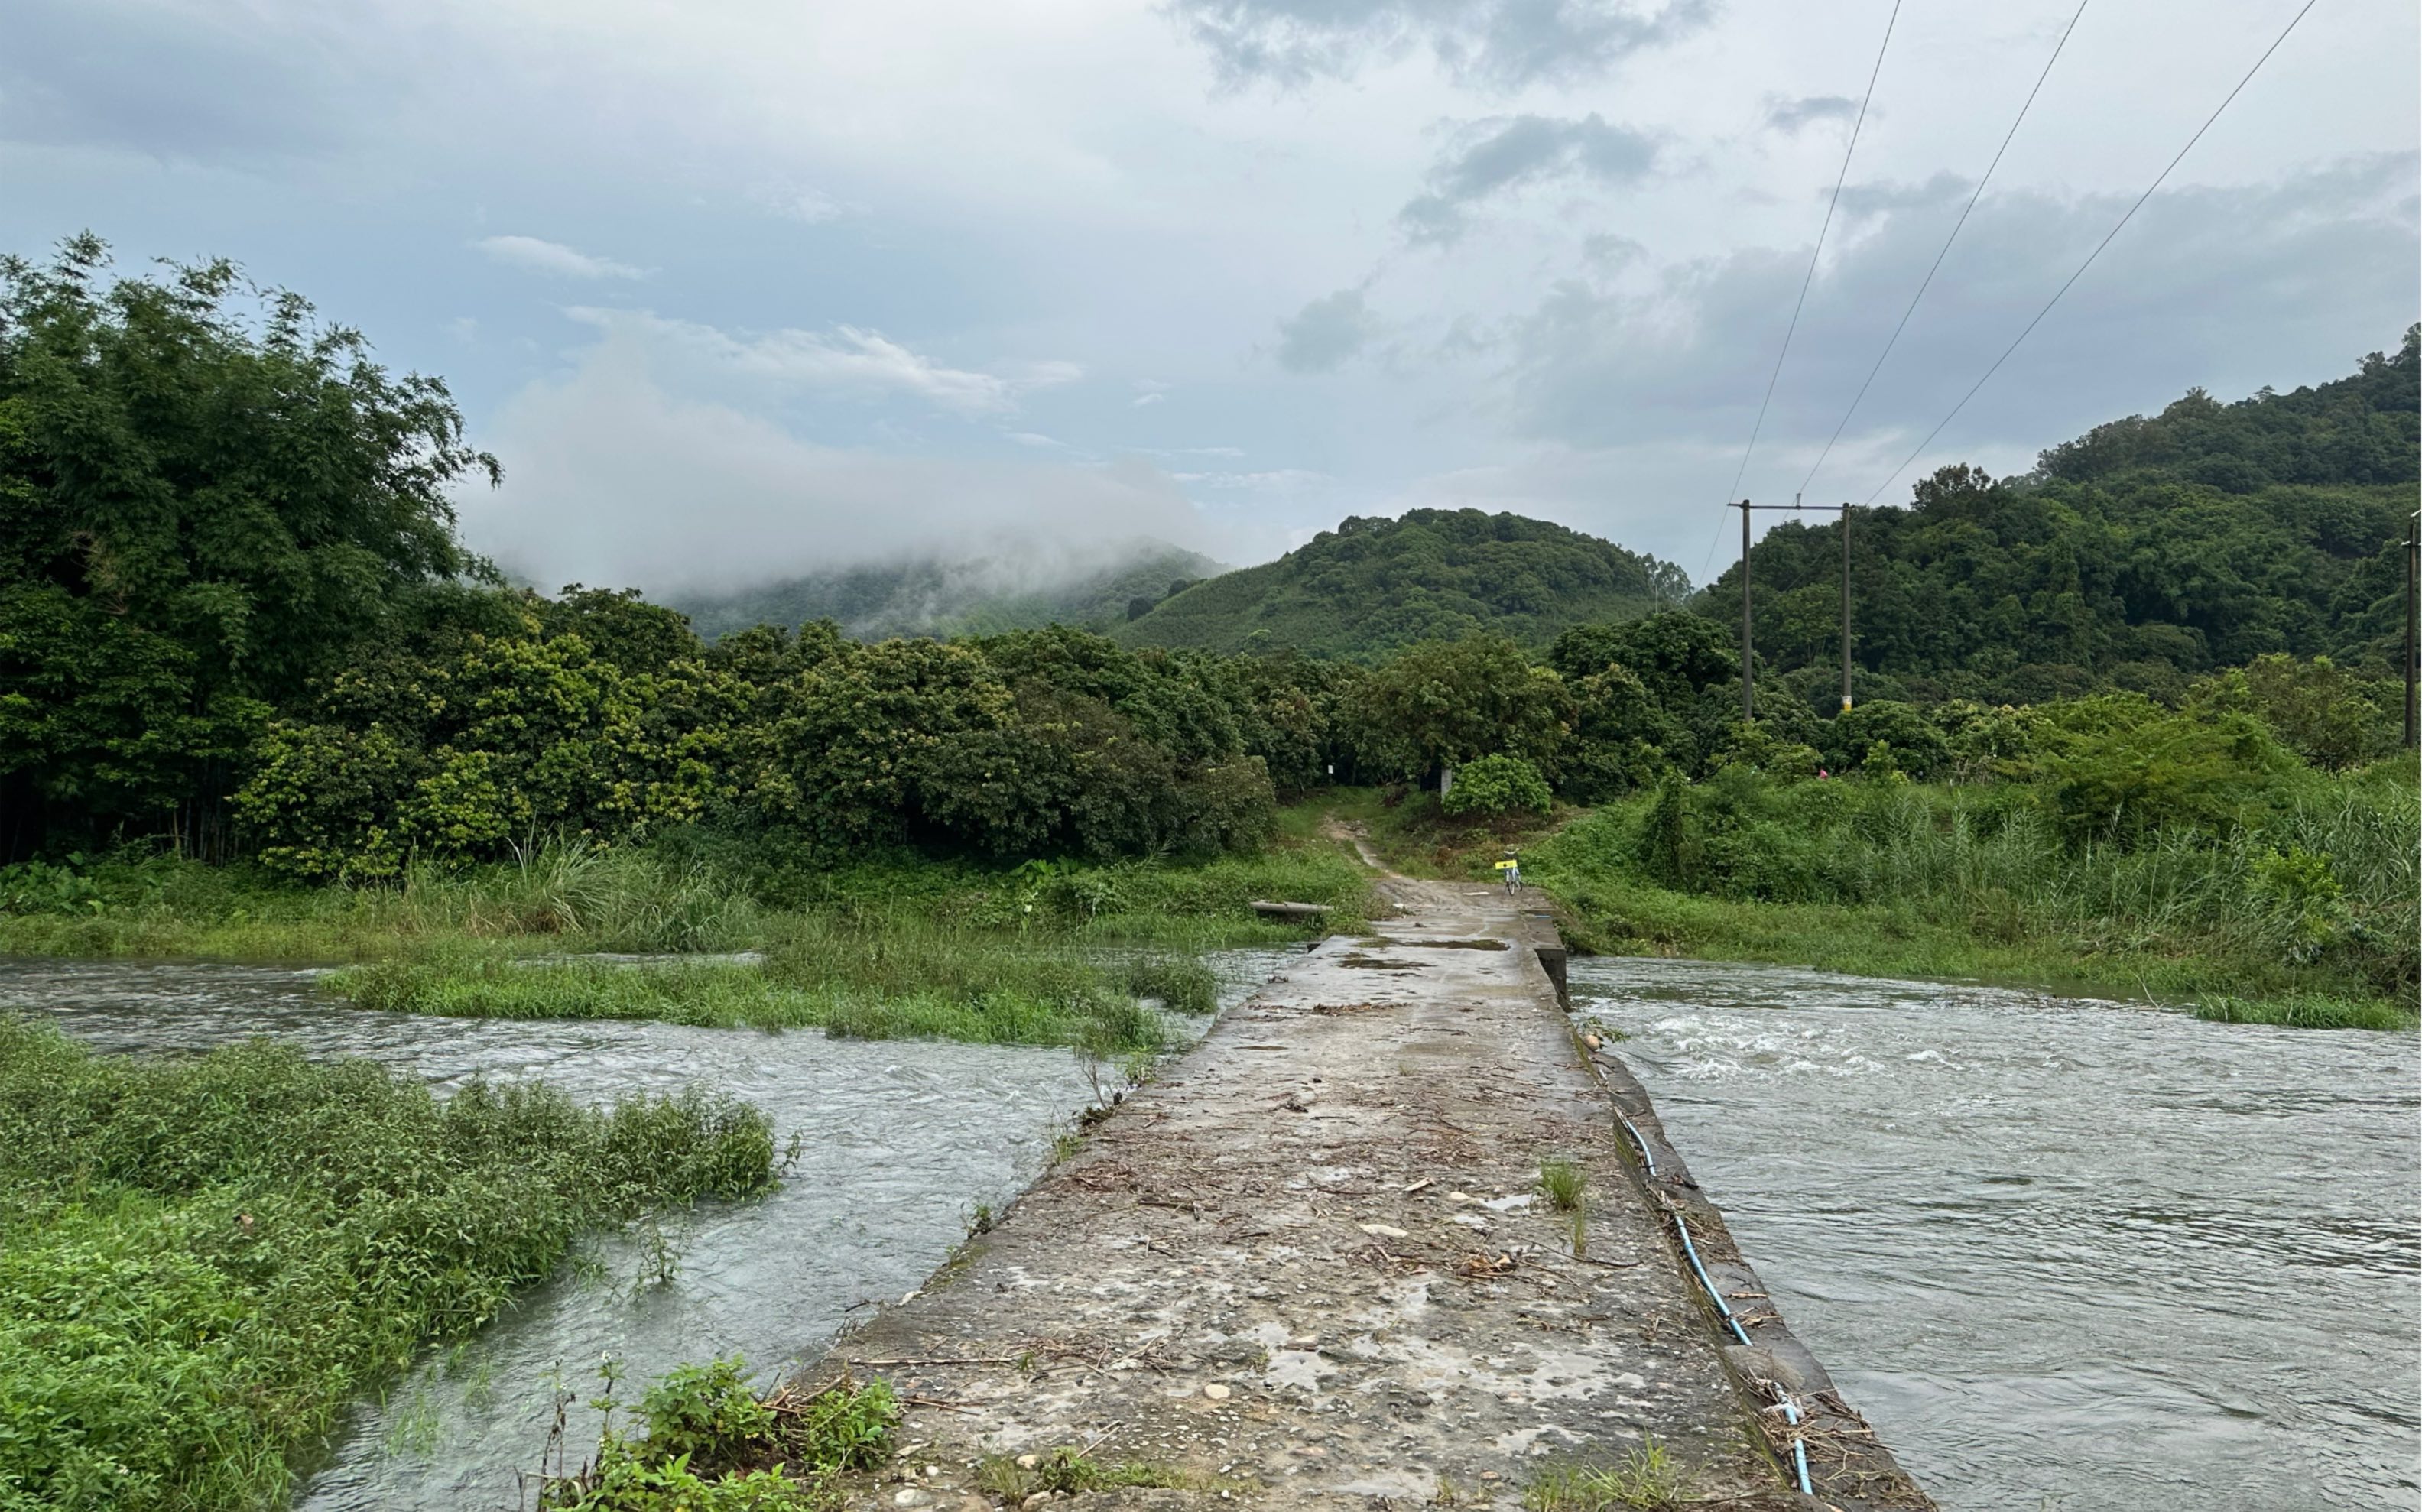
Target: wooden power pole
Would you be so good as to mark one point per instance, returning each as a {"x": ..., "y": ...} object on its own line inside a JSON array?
[
  {"x": 1749, "y": 646},
  {"x": 2413, "y": 647},
  {"x": 1845, "y": 606},
  {"x": 1748, "y": 708}
]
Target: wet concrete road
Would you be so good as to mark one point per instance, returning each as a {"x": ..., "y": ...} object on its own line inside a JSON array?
[{"x": 1312, "y": 1265}]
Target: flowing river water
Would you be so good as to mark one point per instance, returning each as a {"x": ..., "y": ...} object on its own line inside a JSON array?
[
  {"x": 899, "y": 1142},
  {"x": 2067, "y": 1256}
]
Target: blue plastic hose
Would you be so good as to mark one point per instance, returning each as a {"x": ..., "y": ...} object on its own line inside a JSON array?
[
  {"x": 1701, "y": 1272},
  {"x": 1645, "y": 1158},
  {"x": 1798, "y": 1450}
]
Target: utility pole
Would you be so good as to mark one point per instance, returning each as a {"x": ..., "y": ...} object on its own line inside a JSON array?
[
  {"x": 1749, "y": 648},
  {"x": 2413, "y": 647},
  {"x": 1748, "y": 709},
  {"x": 1845, "y": 606}
]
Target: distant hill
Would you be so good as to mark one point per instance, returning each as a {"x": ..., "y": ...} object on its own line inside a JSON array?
[
  {"x": 945, "y": 598},
  {"x": 2143, "y": 553},
  {"x": 1373, "y": 585}
]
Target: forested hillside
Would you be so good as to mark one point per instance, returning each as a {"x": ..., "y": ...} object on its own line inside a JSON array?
[
  {"x": 1372, "y": 586},
  {"x": 2140, "y": 556},
  {"x": 941, "y": 597}
]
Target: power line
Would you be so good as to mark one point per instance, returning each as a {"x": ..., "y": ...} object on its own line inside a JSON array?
[
  {"x": 1847, "y": 153},
  {"x": 2096, "y": 253},
  {"x": 1928, "y": 282}
]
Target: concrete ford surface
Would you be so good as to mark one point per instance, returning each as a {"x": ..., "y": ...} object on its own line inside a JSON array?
[{"x": 1316, "y": 1264}]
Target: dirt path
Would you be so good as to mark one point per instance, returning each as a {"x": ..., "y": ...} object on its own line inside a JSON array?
[{"x": 1313, "y": 1267}]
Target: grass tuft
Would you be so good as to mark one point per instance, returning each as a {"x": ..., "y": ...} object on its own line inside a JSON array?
[
  {"x": 2307, "y": 1011},
  {"x": 1647, "y": 1479},
  {"x": 1066, "y": 1470},
  {"x": 1564, "y": 1182}
]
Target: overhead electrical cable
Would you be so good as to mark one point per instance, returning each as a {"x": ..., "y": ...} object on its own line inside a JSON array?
[
  {"x": 1928, "y": 282},
  {"x": 1815, "y": 253},
  {"x": 2090, "y": 257}
]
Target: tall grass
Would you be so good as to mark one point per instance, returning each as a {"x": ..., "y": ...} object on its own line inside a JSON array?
[
  {"x": 593, "y": 899},
  {"x": 681, "y": 895},
  {"x": 895, "y": 975},
  {"x": 2320, "y": 892},
  {"x": 203, "y": 1262}
]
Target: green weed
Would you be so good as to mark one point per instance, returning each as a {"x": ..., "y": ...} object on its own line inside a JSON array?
[
  {"x": 1565, "y": 1183},
  {"x": 706, "y": 1436},
  {"x": 203, "y": 1262},
  {"x": 1647, "y": 1479},
  {"x": 2307, "y": 1011},
  {"x": 1066, "y": 1470}
]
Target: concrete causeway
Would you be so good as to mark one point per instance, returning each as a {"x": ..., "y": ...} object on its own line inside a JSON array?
[{"x": 1313, "y": 1267}]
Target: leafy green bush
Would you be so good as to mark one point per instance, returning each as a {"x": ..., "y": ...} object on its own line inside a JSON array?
[
  {"x": 709, "y": 1436},
  {"x": 1498, "y": 785},
  {"x": 202, "y": 1263}
]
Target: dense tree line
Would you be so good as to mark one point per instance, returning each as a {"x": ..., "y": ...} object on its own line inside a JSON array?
[
  {"x": 234, "y": 612},
  {"x": 207, "y": 500},
  {"x": 2141, "y": 556}
]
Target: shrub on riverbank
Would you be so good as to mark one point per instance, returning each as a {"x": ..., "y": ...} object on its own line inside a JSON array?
[
  {"x": 711, "y": 1444},
  {"x": 201, "y": 1263}
]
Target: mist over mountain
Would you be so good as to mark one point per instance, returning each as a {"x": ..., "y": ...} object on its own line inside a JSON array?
[{"x": 942, "y": 596}]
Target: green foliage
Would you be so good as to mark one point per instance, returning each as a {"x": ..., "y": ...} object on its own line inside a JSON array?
[
  {"x": 1498, "y": 785},
  {"x": 2138, "y": 557},
  {"x": 1891, "y": 737},
  {"x": 2315, "y": 708},
  {"x": 1067, "y": 1471},
  {"x": 1049, "y": 742},
  {"x": 1668, "y": 849},
  {"x": 1565, "y": 1184},
  {"x": 629, "y": 1479},
  {"x": 1646, "y": 1479},
  {"x": 2255, "y": 876},
  {"x": 872, "y": 974},
  {"x": 206, "y": 500},
  {"x": 201, "y": 1263},
  {"x": 707, "y": 1438},
  {"x": 1446, "y": 703},
  {"x": 1373, "y": 586},
  {"x": 2308, "y": 1011}
]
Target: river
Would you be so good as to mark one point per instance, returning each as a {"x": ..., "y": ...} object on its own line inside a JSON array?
[
  {"x": 901, "y": 1141},
  {"x": 2067, "y": 1256}
]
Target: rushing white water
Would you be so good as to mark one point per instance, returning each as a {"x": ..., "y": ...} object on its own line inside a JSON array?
[
  {"x": 899, "y": 1142},
  {"x": 2067, "y": 1256}
]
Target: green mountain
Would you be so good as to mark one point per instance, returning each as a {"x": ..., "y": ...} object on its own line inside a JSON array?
[
  {"x": 946, "y": 598},
  {"x": 2143, "y": 553},
  {"x": 1373, "y": 585}
]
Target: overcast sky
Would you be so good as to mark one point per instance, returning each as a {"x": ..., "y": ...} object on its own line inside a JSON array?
[{"x": 740, "y": 289}]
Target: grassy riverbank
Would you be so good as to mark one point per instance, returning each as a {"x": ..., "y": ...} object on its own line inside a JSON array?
[
  {"x": 2305, "y": 915},
  {"x": 1043, "y": 953},
  {"x": 203, "y": 1262},
  {"x": 901, "y": 977}
]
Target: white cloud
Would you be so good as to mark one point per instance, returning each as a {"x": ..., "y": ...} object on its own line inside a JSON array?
[
  {"x": 804, "y": 203},
  {"x": 846, "y": 359},
  {"x": 552, "y": 256},
  {"x": 617, "y": 479}
]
